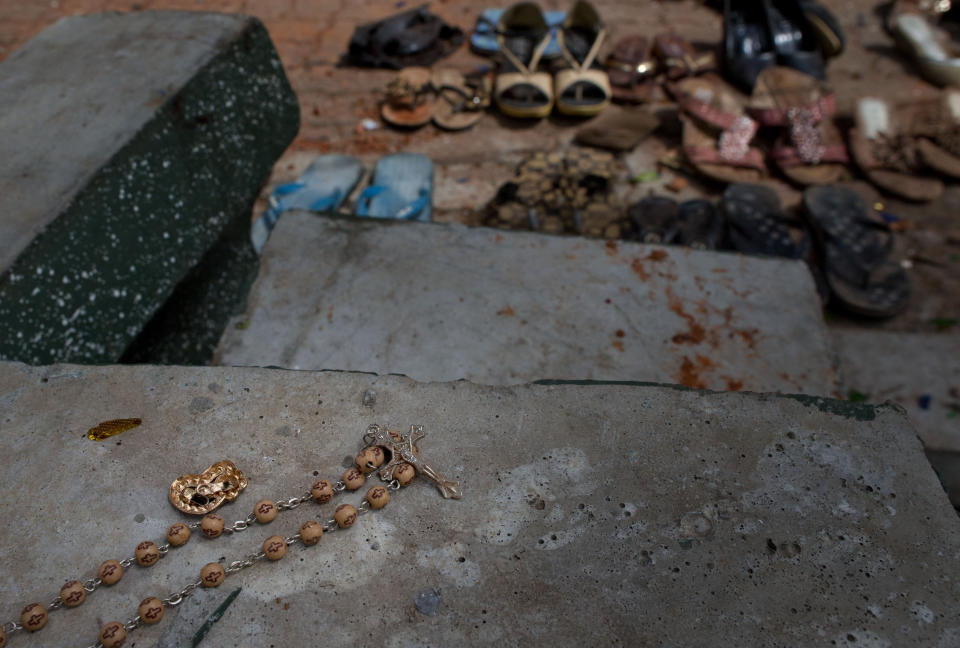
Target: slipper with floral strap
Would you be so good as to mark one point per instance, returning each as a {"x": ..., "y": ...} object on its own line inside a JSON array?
[
  {"x": 410, "y": 99},
  {"x": 856, "y": 251},
  {"x": 811, "y": 151},
  {"x": 716, "y": 131}
]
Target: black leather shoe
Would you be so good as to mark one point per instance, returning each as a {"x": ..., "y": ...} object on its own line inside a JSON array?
[
  {"x": 748, "y": 47},
  {"x": 794, "y": 39}
]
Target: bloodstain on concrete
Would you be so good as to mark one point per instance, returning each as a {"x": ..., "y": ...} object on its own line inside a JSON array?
[
  {"x": 611, "y": 248},
  {"x": 506, "y": 310},
  {"x": 330, "y": 314},
  {"x": 618, "y": 345},
  {"x": 696, "y": 333},
  {"x": 497, "y": 238},
  {"x": 658, "y": 255},
  {"x": 747, "y": 335},
  {"x": 606, "y": 301},
  {"x": 691, "y": 372},
  {"x": 719, "y": 270},
  {"x": 733, "y": 384},
  {"x": 637, "y": 266},
  {"x": 620, "y": 333}
]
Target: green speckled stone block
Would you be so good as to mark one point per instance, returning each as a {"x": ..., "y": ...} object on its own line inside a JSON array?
[{"x": 134, "y": 146}]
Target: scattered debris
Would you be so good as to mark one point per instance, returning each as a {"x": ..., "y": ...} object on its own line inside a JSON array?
[
  {"x": 111, "y": 428},
  {"x": 369, "y": 124},
  {"x": 645, "y": 176},
  {"x": 923, "y": 401},
  {"x": 678, "y": 184},
  {"x": 427, "y": 602},
  {"x": 944, "y": 323}
]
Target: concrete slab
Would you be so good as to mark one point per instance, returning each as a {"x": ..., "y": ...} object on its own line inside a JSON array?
[
  {"x": 592, "y": 514},
  {"x": 131, "y": 143},
  {"x": 920, "y": 371},
  {"x": 445, "y": 302}
]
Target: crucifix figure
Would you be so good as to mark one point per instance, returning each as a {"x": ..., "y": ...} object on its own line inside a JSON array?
[{"x": 403, "y": 449}]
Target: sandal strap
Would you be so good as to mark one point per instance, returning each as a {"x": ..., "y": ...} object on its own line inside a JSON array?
[
  {"x": 591, "y": 55},
  {"x": 789, "y": 156},
  {"x": 534, "y": 58},
  {"x": 752, "y": 159},
  {"x": 819, "y": 110},
  {"x": 692, "y": 64}
]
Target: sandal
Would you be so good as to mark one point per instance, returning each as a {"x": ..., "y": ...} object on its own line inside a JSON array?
[
  {"x": 655, "y": 219},
  {"x": 522, "y": 36},
  {"x": 856, "y": 248},
  {"x": 410, "y": 38},
  {"x": 631, "y": 70},
  {"x": 699, "y": 225},
  {"x": 826, "y": 28},
  {"x": 794, "y": 39},
  {"x": 461, "y": 99},
  {"x": 401, "y": 188},
  {"x": 410, "y": 98},
  {"x": 937, "y": 56},
  {"x": 679, "y": 59},
  {"x": 716, "y": 132},
  {"x": 747, "y": 43},
  {"x": 886, "y": 151},
  {"x": 811, "y": 151},
  {"x": 583, "y": 89},
  {"x": 757, "y": 224}
]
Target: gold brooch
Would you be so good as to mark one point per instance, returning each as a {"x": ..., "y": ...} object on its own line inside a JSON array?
[{"x": 200, "y": 494}]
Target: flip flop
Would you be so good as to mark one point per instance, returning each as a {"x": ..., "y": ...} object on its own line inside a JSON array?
[
  {"x": 484, "y": 38},
  {"x": 632, "y": 70},
  {"x": 519, "y": 90},
  {"x": 856, "y": 248},
  {"x": 886, "y": 151},
  {"x": 322, "y": 188},
  {"x": 699, "y": 225},
  {"x": 757, "y": 224},
  {"x": 716, "y": 131},
  {"x": 410, "y": 98},
  {"x": 461, "y": 100},
  {"x": 679, "y": 59},
  {"x": 401, "y": 188},
  {"x": 655, "y": 219},
  {"x": 811, "y": 151},
  {"x": 583, "y": 89}
]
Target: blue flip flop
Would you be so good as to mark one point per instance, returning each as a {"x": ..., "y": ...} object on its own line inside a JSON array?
[
  {"x": 323, "y": 187},
  {"x": 401, "y": 188},
  {"x": 484, "y": 38}
]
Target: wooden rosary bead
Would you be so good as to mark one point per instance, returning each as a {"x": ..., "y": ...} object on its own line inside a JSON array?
[
  {"x": 33, "y": 617},
  {"x": 404, "y": 473},
  {"x": 353, "y": 478},
  {"x": 110, "y": 572},
  {"x": 372, "y": 455},
  {"x": 311, "y": 532},
  {"x": 72, "y": 593},
  {"x": 150, "y": 610},
  {"x": 322, "y": 491},
  {"x": 266, "y": 511},
  {"x": 211, "y": 525},
  {"x": 178, "y": 534},
  {"x": 345, "y": 515},
  {"x": 147, "y": 553},
  {"x": 378, "y": 497},
  {"x": 113, "y": 635},
  {"x": 212, "y": 575},
  {"x": 275, "y": 547}
]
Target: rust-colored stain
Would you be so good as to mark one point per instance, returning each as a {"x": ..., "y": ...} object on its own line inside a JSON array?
[
  {"x": 111, "y": 428},
  {"x": 611, "y": 248},
  {"x": 690, "y": 371},
  {"x": 506, "y": 310},
  {"x": 330, "y": 314},
  {"x": 719, "y": 270},
  {"x": 733, "y": 384},
  {"x": 658, "y": 255},
  {"x": 497, "y": 238},
  {"x": 696, "y": 333},
  {"x": 619, "y": 333},
  {"x": 618, "y": 345},
  {"x": 747, "y": 335},
  {"x": 637, "y": 266},
  {"x": 606, "y": 301}
]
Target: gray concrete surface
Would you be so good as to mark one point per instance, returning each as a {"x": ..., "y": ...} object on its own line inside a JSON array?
[
  {"x": 905, "y": 368},
  {"x": 131, "y": 142},
  {"x": 445, "y": 302},
  {"x": 592, "y": 514}
]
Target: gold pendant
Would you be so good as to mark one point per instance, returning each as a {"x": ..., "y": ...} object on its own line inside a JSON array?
[{"x": 200, "y": 494}]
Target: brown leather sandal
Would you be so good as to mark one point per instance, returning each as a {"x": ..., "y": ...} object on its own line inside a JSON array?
[
  {"x": 410, "y": 98},
  {"x": 679, "y": 59},
  {"x": 632, "y": 70}
]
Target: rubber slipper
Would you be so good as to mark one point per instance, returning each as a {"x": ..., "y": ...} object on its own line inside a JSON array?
[
  {"x": 716, "y": 131},
  {"x": 757, "y": 224},
  {"x": 811, "y": 151},
  {"x": 933, "y": 52},
  {"x": 618, "y": 129},
  {"x": 631, "y": 69},
  {"x": 322, "y": 188},
  {"x": 887, "y": 153},
  {"x": 655, "y": 219},
  {"x": 410, "y": 98},
  {"x": 699, "y": 225},
  {"x": 410, "y": 38},
  {"x": 484, "y": 38},
  {"x": 583, "y": 89},
  {"x": 679, "y": 59},
  {"x": 461, "y": 100},
  {"x": 522, "y": 36},
  {"x": 856, "y": 248},
  {"x": 401, "y": 188}
]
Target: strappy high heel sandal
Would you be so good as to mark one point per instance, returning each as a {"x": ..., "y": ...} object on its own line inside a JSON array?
[
  {"x": 519, "y": 90},
  {"x": 581, "y": 90}
]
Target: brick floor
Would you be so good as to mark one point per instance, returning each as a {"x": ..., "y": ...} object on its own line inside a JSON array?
[{"x": 310, "y": 36}]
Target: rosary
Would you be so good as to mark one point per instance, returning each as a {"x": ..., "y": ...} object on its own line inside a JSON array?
[{"x": 393, "y": 456}]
